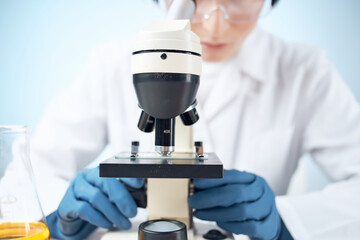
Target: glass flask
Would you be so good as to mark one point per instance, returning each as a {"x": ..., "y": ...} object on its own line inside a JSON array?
[{"x": 21, "y": 215}]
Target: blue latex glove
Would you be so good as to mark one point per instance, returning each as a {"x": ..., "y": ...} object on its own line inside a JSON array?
[
  {"x": 92, "y": 202},
  {"x": 241, "y": 203}
]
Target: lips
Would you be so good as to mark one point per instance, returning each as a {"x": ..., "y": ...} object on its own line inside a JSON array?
[{"x": 213, "y": 46}]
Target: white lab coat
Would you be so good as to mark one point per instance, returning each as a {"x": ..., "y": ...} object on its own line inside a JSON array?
[{"x": 268, "y": 105}]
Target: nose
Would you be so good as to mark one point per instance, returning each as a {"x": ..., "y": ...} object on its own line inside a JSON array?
[{"x": 215, "y": 22}]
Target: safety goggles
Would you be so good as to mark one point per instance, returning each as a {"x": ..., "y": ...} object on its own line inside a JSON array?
[{"x": 235, "y": 11}]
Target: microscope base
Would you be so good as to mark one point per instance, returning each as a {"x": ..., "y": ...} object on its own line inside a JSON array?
[{"x": 196, "y": 234}]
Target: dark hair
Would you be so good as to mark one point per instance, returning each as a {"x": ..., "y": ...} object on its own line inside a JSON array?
[{"x": 273, "y": 2}]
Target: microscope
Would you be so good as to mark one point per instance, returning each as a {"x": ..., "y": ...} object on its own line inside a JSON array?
[{"x": 166, "y": 69}]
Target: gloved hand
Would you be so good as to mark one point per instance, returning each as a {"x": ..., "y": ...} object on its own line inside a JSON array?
[
  {"x": 92, "y": 202},
  {"x": 241, "y": 203}
]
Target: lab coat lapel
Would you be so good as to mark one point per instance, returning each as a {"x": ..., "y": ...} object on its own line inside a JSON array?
[
  {"x": 253, "y": 61},
  {"x": 226, "y": 89}
]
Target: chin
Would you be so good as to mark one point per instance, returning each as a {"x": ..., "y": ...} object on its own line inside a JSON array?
[{"x": 215, "y": 57}]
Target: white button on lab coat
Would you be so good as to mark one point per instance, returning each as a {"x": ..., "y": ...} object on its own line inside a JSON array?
[{"x": 262, "y": 110}]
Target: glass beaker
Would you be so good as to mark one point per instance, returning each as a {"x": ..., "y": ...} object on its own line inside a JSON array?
[{"x": 21, "y": 215}]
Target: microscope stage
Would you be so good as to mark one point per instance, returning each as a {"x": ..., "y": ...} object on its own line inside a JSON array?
[{"x": 150, "y": 165}]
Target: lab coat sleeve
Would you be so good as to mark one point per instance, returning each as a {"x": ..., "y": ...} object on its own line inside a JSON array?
[
  {"x": 331, "y": 133},
  {"x": 70, "y": 135}
]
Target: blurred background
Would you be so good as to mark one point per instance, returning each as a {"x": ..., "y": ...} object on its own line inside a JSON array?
[{"x": 44, "y": 44}]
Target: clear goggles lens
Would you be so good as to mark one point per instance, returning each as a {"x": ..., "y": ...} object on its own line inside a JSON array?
[{"x": 236, "y": 11}]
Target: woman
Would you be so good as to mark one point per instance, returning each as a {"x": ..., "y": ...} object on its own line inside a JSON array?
[{"x": 263, "y": 103}]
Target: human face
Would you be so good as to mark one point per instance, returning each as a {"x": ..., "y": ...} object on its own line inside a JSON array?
[
  {"x": 223, "y": 25},
  {"x": 222, "y": 38}
]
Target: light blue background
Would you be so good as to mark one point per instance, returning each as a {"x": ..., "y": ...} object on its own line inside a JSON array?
[{"x": 44, "y": 44}]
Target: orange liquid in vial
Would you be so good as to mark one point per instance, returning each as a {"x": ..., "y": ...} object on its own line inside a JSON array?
[{"x": 24, "y": 231}]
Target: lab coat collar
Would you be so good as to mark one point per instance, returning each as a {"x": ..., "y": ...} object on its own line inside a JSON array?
[
  {"x": 254, "y": 57},
  {"x": 253, "y": 60},
  {"x": 224, "y": 90}
]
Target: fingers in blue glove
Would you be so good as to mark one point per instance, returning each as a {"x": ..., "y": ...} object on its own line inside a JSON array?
[
  {"x": 257, "y": 209},
  {"x": 241, "y": 203},
  {"x": 133, "y": 182},
  {"x": 230, "y": 177},
  {"x": 116, "y": 192},
  {"x": 266, "y": 228},
  {"x": 225, "y": 196},
  {"x": 73, "y": 208},
  {"x": 62, "y": 229},
  {"x": 95, "y": 199}
]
